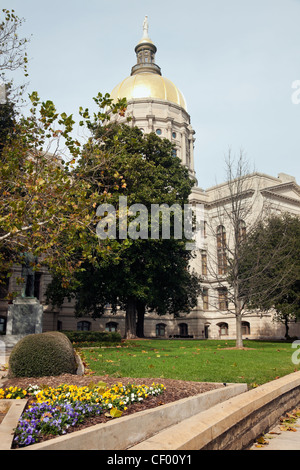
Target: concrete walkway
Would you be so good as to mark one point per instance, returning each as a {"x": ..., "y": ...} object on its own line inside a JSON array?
[{"x": 279, "y": 439}]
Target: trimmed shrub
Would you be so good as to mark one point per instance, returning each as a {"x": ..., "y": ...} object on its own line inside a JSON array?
[
  {"x": 93, "y": 336},
  {"x": 43, "y": 354}
]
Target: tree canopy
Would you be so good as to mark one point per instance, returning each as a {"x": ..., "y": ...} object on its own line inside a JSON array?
[
  {"x": 44, "y": 208},
  {"x": 270, "y": 267},
  {"x": 149, "y": 274}
]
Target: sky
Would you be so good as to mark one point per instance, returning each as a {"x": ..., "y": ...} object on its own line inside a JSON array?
[{"x": 235, "y": 61}]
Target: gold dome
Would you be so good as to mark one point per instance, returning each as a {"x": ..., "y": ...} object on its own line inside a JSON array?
[{"x": 148, "y": 85}]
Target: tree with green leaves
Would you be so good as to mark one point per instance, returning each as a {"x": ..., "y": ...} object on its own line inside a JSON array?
[
  {"x": 44, "y": 208},
  {"x": 149, "y": 274},
  {"x": 287, "y": 307},
  {"x": 270, "y": 268}
]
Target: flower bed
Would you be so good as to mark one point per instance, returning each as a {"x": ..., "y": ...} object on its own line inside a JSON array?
[{"x": 52, "y": 411}]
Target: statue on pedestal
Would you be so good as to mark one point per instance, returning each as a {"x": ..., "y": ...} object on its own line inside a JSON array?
[{"x": 28, "y": 274}]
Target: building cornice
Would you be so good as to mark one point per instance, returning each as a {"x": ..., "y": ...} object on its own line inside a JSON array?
[
  {"x": 281, "y": 197},
  {"x": 159, "y": 101}
]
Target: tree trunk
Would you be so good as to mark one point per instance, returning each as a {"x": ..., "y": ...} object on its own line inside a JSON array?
[
  {"x": 130, "y": 320},
  {"x": 286, "y": 324},
  {"x": 140, "y": 320},
  {"x": 238, "y": 317},
  {"x": 239, "y": 336}
]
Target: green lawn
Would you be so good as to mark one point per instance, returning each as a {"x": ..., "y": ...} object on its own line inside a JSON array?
[{"x": 202, "y": 361}]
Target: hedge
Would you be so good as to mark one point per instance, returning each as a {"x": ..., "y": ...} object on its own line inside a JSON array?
[
  {"x": 93, "y": 337},
  {"x": 44, "y": 354}
]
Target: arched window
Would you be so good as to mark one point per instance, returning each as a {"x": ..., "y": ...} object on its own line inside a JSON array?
[
  {"x": 160, "y": 329},
  {"x": 111, "y": 326},
  {"x": 183, "y": 329},
  {"x": 221, "y": 249},
  {"x": 83, "y": 326},
  {"x": 245, "y": 328},
  {"x": 223, "y": 329}
]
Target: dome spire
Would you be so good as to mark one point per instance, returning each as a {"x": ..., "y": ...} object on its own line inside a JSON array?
[{"x": 145, "y": 53}]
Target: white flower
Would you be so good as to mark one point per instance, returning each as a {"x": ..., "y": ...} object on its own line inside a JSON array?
[{"x": 33, "y": 389}]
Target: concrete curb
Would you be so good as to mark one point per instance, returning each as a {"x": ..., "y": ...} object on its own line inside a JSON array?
[
  {"x": 124, "y": 432},
  {"x": 233, "y": 424},
  {"x": 10, "y": 421}
]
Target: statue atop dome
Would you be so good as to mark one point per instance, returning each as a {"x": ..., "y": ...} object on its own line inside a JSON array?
[{"x": 145, "y": 27}]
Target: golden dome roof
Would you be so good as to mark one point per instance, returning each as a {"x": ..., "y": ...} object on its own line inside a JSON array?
[
  {"x": 146, "y": 80},
  {"x": 148, "y": 85}
]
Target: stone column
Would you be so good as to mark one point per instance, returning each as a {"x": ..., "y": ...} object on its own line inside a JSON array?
[{"x": 183, "y": 149}]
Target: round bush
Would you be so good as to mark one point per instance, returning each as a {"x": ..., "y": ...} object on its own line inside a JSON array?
[{"x": 43, "y": 354}]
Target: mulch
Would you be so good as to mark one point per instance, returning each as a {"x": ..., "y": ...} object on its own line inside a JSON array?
[{"x": 175, "y": 390}]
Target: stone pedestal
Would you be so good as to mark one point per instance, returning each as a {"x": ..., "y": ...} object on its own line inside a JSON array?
[{"x": 24, "y": 317}]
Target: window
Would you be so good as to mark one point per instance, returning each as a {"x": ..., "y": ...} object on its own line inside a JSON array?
[
  {"x": 204, "y": 263},
  {"x": 223, "y": 329},
  {"x": 111, "y": 326},
  {"x": 205, "y": 299},
  {"x": 174, "y": 153},
  {"x": 158, "y": 131},
  {"x": 160, "y": 329},
  {"x": 83, "y": 326},
  {"x": 2, "y": 325},
  {"x": 183, "y": 329},
  {"x": 174, "y": 135},
  {"x": 242, "y": 231},
  {"x": 221, "y": 249},
  {"x": 245, "y": 328},
  {"x": 223, "y": 300}
]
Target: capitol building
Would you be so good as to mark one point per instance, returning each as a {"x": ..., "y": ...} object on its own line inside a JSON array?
[{"x": 155, "y": 104}]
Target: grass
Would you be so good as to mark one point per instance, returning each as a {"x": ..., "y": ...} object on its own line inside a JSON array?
[{"x": 201, "y": 361}]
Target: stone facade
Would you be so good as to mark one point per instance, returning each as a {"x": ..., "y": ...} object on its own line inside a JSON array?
[{"x": 168, "y": 120}]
